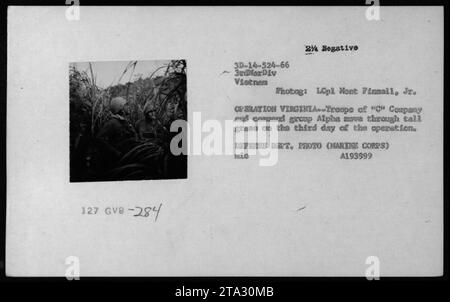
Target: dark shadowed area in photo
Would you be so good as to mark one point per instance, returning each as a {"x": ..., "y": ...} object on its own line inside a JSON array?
[{"x": 120, "y": 117}]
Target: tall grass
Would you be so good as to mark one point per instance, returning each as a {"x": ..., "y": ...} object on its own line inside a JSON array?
[{"x": 90, "y": 103}]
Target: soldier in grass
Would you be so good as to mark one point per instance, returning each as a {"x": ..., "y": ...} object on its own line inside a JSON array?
[
  {"x": 117, "y": 134},
  {"x": 174, "y": 166},
  {"x": 150, "y": 128},
  {"x": 173, "y": 111}
]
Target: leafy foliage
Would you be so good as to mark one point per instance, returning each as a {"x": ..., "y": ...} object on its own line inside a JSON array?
[{"x": 89, "y": 108}]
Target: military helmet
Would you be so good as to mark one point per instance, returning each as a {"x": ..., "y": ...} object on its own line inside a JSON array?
[{"x": 117, "y": 104}]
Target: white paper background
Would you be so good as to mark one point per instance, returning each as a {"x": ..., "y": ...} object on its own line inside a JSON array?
[{"x": 229, "y": 217}]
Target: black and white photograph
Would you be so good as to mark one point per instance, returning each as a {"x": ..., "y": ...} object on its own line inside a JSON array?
[
  {"x": 225, "y": 151},
  {"x": 120, "y": 118}
]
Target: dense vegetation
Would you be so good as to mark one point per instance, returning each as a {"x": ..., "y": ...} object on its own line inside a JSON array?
[{"x": 89, "y": 110}]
